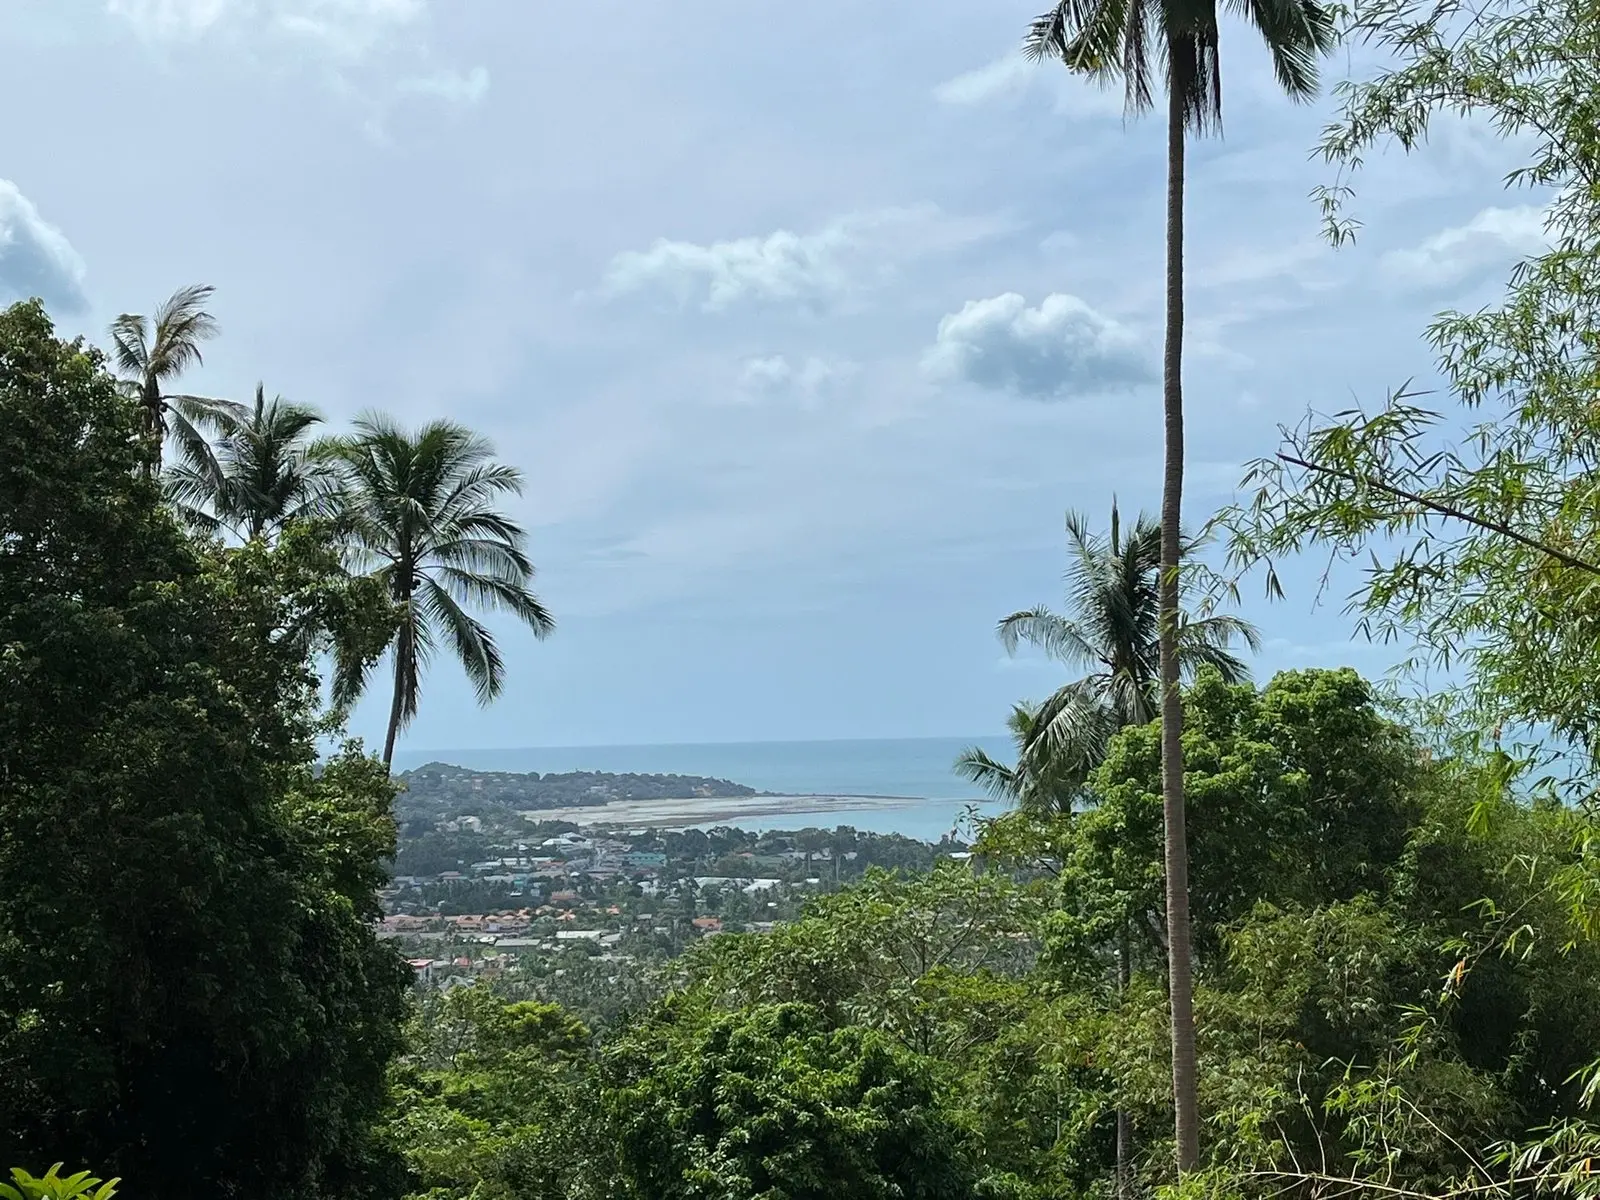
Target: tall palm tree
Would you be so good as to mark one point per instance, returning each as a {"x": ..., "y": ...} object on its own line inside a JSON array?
[
  {"x": 1143, "y": 43},
  {"x": 152, "y": 352},
  {"x": 421, "y": 513},
  {"x": 261, "y": 472}
]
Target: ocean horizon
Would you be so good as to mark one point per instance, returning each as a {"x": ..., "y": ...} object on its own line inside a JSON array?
[{"x": 919, "y": 772}]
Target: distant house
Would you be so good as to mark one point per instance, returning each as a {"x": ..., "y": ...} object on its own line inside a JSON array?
[
  {"x": 565, "y": 898},
  {"x": 644, "y": 858},
  {"x": 423, "y": 968},
  {"x": 707, "y": 924},
  {"x": 761, "y": 885},
  {"x": 579, "y": 935}
]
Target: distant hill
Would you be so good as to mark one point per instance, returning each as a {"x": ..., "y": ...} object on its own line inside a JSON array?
[{"x": 436, "y": 789}]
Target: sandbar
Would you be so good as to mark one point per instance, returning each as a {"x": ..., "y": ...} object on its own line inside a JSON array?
[{"x": 688, "y": 811}]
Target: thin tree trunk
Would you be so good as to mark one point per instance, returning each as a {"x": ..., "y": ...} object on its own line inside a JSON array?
[
  {"x": 394, "y": 724},
  {"x": 402, "y": 648},
  {"x": 1179, "y": 967},
  {"x": 1124, "y": 1126}
]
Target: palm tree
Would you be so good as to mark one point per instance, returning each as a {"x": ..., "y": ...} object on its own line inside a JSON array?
[
  {"x": 1138, "y": 42},
  {"x": 152, "y": 352},
  {"x": 1113, "y": 633},
  {"x": 420, "y": 511},
  {"x": 261, "y": 473}
]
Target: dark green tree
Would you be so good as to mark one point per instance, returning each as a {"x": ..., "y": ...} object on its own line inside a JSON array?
[
  {"x": 772, "y": 1102},
  {"x": 190, "y": 990}
]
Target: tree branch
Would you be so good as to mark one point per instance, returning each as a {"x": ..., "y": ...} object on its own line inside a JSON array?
[{"x": 1449, "y": 511}]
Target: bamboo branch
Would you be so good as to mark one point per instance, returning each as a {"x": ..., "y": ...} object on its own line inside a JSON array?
[{"x": 1449, "y": 511}]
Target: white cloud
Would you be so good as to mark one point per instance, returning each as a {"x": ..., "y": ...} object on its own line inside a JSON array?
[
  {"x": 808, "y": 269},
  {"x": 1008, "y": 76},
  {"x": 374, "y": 52},
  {"x": 456, "y": 87},
  {"x": 1061, "y": 347},
  {"x": 344, "y": 26},
  {"x": 1494, "y": 237},
  {"x": 1011, "y": 78},
  {"x": 35, "y": 257},
  {"x": 170, "y": 18},
  {"x": 776, "y": 374},
  {"x": 345, "y": 30}
]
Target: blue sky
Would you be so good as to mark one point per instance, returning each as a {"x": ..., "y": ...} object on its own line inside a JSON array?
[{"x": 806, "y": 322}]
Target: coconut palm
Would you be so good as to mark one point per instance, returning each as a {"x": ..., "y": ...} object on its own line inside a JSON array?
[
  {"x": 260, "y": 472},
  {"x": 420, "y": 510},
  {"x": 152, "y": 352},
  {"x": 1144, "y": 44},
  {"x": 1113, "y": 634}
]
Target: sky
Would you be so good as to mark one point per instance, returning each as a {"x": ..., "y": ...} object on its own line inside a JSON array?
[{"x": 806, "y": 323}]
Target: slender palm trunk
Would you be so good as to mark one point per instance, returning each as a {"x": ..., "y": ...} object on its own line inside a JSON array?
[
  {"x": 403, "y": 650},
  {"x": 1179, "y": 966}
]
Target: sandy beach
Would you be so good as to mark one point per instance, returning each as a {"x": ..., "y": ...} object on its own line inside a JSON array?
[{"x": 715, "y": 810}]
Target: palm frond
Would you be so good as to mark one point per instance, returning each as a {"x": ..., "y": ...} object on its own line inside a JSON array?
[
  {"x": 1053, "y": 635},
  {"x": 997, "y": 780},
  {"x": 471, "y": 640}
]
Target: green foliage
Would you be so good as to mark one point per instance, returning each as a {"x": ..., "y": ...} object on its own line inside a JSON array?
[
  {"x": 53, "y": 1185},
  {"x": 1298, "y": 793},
  {"x": 260, "y": 474},
  {"x": 1475, "y": 516},
  {"x": 190, "y": 990},
  {"x": 895, "y": 953},
  {"x": 773, "y": 1102},
  {"x": 496, "y": 1099}
]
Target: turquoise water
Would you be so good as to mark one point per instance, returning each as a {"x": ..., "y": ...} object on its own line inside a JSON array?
[{"x": 916, "y": 769}]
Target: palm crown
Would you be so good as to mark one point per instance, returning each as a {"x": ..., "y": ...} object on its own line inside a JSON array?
[
  {"x": 152, "y": 352},
  {"x": 421, "y": 514},
  {"x": 261, "y": 473},
  {"x": 1143, "y": 43},
  {"x": 1112, "y": 634}
]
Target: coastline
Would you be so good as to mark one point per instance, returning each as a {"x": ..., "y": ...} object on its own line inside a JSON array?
[{"x": 687, "y": 811}]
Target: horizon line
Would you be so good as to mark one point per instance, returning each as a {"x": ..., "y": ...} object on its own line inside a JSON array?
[{"x": 674, "y": 745}]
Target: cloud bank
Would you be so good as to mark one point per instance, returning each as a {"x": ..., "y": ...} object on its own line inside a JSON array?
[
  {"x": 1494, "y": 237},
  {"x": 35, "y": 257},
  {"x": 809, "y": 270},
  {"x": 346, "y": 27}
]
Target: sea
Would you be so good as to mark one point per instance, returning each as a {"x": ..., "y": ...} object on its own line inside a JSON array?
[{"x": 930, "y": 799}]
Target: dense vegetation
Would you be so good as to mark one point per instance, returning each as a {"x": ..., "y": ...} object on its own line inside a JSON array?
[{"x": 1383, "y": 910}]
